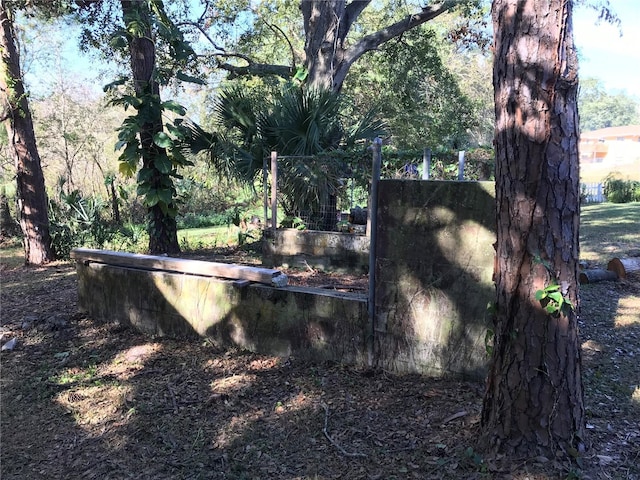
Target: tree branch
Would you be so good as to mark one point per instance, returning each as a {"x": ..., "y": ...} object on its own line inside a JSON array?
[
  {"x": 293, "y": 54},
  {"x": 253, "y": 68},
  {"x": 374, "y": 40},
  {"x": 354, "y": 9},
  {"x": 203, "y": 32},
  {"x": 325, "y": 431}
]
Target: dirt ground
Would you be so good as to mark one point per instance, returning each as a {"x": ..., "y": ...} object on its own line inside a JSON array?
[{"x": 97, "y": 401}]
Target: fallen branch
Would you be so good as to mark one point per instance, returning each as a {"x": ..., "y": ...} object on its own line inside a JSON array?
[
  {"x": 596, "y": 275},
  {"x": 622, "y": 266},
  {"x": 454, "y": 416},
  {"x": 325, "y": 430}
]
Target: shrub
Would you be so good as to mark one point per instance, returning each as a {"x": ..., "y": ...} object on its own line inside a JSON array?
[
  {"x": 76, "y": 221},
  {"x": 618, "y": 190}
]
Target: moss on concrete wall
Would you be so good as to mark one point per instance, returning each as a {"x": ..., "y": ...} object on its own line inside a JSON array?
[
  {"x": 307, "y": 323},
  {"x": 434, "y": 275}
]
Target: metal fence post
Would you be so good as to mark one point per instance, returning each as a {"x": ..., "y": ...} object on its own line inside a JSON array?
[
  {"x": 373, "y": 222},
  {"x": 274, "y": 192},
  {"x": 265, "y": 184},
  {"x": 461, "y": 165},
  {"x": 426, "y": 164}
]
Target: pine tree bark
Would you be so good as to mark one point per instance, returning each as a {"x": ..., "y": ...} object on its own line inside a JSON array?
[
  {"x": 31, "y": 193},
  {"x": 534, "y": 400},
  {"x": 163, "y": 231}
]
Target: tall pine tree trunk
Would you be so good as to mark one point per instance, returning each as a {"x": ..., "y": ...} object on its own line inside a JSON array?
[
  {"x": 163, "y": 232},
  {"x": 534, "y": 399},
  {"x": 31, "y": 193}
]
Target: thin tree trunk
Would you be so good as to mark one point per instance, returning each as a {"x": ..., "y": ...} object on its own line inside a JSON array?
[
  {"x": 31, "y": 193},
  {"x": 163, "y": 232},
  {"x": 534, "y": 399}
]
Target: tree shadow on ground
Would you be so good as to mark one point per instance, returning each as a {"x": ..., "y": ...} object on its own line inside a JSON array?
[{"x": 85, "y": 399}]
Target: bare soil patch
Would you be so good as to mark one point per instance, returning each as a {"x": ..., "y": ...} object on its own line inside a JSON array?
[{"x": 81, "y": 399}]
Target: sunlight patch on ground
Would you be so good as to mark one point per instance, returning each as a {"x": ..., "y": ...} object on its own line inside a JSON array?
[
  {"x": 262, "y": 364},
  {"x": 232, "y": 384},
  {"x": 96, "y": 405},
  {"x": 131, "y": 361},
  {"x": 590, "y": 350},
  {"x": 628, "y": 312},
  {"x": 298, "y": 403}
]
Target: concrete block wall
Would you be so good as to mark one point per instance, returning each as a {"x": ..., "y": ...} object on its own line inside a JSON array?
[
  {"x": 330, "y": 251},
  {"x": 434, "y": 271},
  {"x": 312, "y": 324}
]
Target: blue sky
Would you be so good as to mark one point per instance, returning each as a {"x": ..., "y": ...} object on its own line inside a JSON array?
[{"x": 605, "y": 54}]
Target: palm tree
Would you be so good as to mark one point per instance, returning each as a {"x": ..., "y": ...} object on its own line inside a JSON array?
[{"x": 306, "y": 128}]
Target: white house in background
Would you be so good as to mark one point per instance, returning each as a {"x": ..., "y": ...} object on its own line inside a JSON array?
[{"x": 613, "y": 145}]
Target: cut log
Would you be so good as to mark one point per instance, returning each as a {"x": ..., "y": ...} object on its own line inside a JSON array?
[
  {"x": 622, "y": 266},
  {"x": 181, "y": 265},
  {"x": 596, "y": 275}
]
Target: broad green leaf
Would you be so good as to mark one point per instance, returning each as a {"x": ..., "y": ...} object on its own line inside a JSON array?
[
  {"x": 174, "y": 106},
  {"x": 126, "y": 169},
  {"x": 301, "y": 74},
  {"x": 131, "y": 154},
  {"x": 172, "y": 212},
  {"x": 551, "y": 308},
  {"x": 143, "y": 189},
  {"x": 144, "y": 175},
  {"x": 118, "y": 41},
  {"x": 136, "y": 28},
  {"x": 178, "y": 132},
  {"x": 557, "y": 297},
  {"x": 162, "y": 140},
  {"x": 151, "y": 198},
  {"x": 162, "y": 164},
  {"x": 165, "y": 196},
  {"x": 541, "y": 294}
]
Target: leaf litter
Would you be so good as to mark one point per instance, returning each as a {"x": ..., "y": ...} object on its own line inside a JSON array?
[{"x": 82, "y": 399}]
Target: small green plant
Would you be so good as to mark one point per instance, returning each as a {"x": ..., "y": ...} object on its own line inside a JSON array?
[
  {"x": 476, "y": 460},
  {"x": 78, "y": 221},
  {"x": 293, "y": 222},
  {"x": 553, "y": 301},
  {"x": 551, "y": 297},
  {"x": 343, "y": 226}
]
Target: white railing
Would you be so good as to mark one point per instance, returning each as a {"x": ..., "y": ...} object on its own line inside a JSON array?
[{"x": 592, "y": 193}]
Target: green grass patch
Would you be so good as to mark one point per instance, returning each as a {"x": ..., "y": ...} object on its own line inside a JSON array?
[
  {"x": 215, "y": 237},
  {"x": 609, "y": 230},
  {"x": 73, "y": 375},
  {"x": 12, "y": 254}
]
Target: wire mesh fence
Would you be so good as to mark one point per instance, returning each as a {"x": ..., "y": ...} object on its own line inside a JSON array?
[{"x": 331, "y": 192}]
